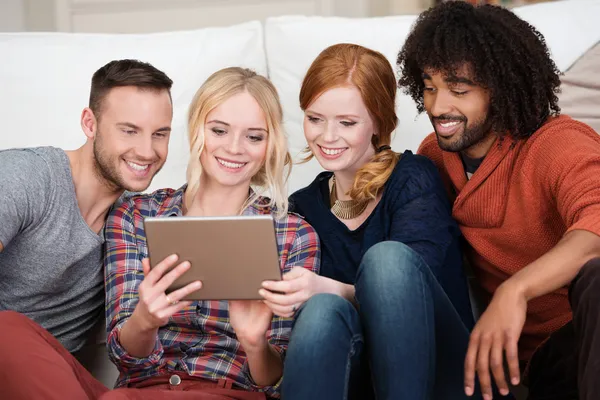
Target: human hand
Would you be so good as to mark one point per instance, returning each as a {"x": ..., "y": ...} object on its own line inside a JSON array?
[
  {"x": 297, "y": 286},
  {"x": 155, "y": 307},
  {"x": 250, "y": 319},
  {"x": 496, "y": 333}
]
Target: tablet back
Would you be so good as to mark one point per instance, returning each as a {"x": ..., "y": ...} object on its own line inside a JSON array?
[{"x": 230, "y": 255}]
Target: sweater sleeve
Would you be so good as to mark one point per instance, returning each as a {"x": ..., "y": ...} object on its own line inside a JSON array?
[
  {"x": 568, "y": 163},
  {"x": 421, "y": 215}
]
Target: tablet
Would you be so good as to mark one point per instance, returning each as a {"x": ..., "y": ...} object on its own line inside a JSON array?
[{"x": 231, "y": 256}]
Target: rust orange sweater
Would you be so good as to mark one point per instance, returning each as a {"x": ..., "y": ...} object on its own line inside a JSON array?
[{"x": 518, "y": 205}]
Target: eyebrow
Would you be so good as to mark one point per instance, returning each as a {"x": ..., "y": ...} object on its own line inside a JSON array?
[
  {"x": 137, "y": 128},
  {"x": 216, "y": 121},
  {"x": 459, "y": 79},
  {"x": 337, "y": 116},
  {"x": 454, "y": 79}
]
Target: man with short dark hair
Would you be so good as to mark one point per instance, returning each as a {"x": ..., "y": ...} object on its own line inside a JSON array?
[
  {"x": 53, "y": 205},
  {"x": 526, "y": 194}
]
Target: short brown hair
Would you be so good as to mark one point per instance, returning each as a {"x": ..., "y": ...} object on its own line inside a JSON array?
[
  {"x": 373, "y": 75},
  {"x": 119, "y": 73}
]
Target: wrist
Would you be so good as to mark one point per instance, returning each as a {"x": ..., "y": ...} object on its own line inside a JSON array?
[
  {"x": 253, "y": 345},
  {"x": 514, "y": 287},
  {"x": 140, "y": 325}
]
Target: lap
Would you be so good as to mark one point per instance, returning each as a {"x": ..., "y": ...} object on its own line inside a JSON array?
[
  {"x": 160, "y": 394},
  {"x": 552, "y": 370}
]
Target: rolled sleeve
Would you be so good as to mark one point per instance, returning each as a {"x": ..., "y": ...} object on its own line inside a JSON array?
[{"x": 123, "y": 275}]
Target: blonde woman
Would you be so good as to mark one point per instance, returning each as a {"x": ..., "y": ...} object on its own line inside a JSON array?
[{"x": 169, "y": 348}]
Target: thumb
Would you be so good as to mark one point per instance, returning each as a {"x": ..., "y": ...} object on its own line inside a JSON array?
[
  {"x": 146, "y": 266},
  {"x": 295, "y": 273}
]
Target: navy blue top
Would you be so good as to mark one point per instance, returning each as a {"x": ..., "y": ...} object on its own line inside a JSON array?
[{"x": 414, "y": 209}]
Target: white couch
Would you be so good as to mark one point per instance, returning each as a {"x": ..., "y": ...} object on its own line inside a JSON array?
[{"x": 44, "y": 79}]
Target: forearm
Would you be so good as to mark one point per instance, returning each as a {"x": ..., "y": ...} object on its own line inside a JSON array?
[
  {"x": 341, "y": 289},
  {"x": 264, "y": 363},
  {"x": 137, "y": 340},
  {"x": 557, "y": 267}
]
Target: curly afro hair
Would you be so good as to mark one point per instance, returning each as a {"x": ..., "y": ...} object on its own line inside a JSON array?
[{"x": 507, "y": 56}]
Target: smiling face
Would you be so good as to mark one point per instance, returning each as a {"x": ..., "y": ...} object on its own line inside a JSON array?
[
  {"x": 458, "y": 110},
  {"x": 339, "y": 129},
  {"x": 131, "y": 141},
  {"x": 235, "y": 141}
]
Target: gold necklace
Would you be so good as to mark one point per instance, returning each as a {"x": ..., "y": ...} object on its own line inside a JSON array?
[{"x": 345, "y": 209}]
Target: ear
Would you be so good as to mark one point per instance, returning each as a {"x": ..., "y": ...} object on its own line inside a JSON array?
[{"x": 89, "y": 124}]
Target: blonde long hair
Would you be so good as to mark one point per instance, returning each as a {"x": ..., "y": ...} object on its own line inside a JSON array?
[
  {"x": 220, "y": 86},
  {"x": 371, "y": 73}
]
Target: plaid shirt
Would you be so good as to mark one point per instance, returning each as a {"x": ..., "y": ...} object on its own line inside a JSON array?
[{"x": 198, "y": 340}]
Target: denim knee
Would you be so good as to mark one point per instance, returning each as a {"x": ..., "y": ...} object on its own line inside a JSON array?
[
  {"x": 321, "y": 318},
  {"x": 388, "y": 265}
]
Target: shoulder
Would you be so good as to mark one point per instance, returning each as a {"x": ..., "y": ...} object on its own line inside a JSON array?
[
  {"x": 560, "y": 133},
  {"x": 303, "y": 199},
  {"x": 29, "y": 163},
  {"x": 561, "y": 144},
  {"x": 429, "y": 147},
  {"x": 147, "y": 204},
  {"x": 295, "y": 228},
  {"x": 413, "y": 169}
]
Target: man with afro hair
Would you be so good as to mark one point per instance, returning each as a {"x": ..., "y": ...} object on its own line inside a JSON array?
[{"x": 525, "y": 186}]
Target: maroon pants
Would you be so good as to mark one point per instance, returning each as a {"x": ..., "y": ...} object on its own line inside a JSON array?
[{"x": 34, "y": 365}]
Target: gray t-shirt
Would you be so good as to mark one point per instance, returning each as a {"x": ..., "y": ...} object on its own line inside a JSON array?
[{"x": 51, "y": 265}]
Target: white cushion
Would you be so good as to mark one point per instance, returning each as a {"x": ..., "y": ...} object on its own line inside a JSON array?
[
  {"x": 570, "y": 28},
  {"x": 45, "y": 80}
]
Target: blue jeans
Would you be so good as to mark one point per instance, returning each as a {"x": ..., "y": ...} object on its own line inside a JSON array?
[{"x": 414, "y": 340}]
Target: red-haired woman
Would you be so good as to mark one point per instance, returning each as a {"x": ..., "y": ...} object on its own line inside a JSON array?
[{"x": 392, "y": 293}]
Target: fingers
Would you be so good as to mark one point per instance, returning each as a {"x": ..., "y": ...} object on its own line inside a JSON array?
[
  {"x": 294, "y": 273},
  {"x": 483, "y": 366},
  {"x": 172, "y": 309},
  {"x": 165, "y": 282},
  {"x": 159, "y": 269},
  {"x": 512, "y": 356},
  {"x": 284, "y": 286},
  {"x": 283, "y": 299},
  {"x": 146, "y": 266},
  {"x": 297, "y": 279},
  {"x": 497, "y": 364},
  {"x": 183, "y": 292},
  {"x": 470, "y": 359},
  {"x": 287, "y": 311}
]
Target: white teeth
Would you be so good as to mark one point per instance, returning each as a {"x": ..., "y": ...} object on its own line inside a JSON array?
[
  {"x": 449, "y": 124},
  {"x": 230, "y": 164},
  {"x": 331, "y": 152},
  {"x": 138, "y": 167}
]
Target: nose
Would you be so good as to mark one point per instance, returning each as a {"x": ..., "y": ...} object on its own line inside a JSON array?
[
  {"x": 330, "y": 132},
  {"x": 440, "y": 104},
  {"x": 145, "y": 149},
  {"x": 234, "y": 144}
]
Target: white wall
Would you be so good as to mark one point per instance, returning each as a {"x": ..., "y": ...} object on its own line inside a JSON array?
[
  {"x": 11, "y": 16},
  {"x": 128, "y": 16}
]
